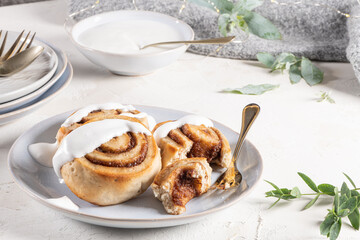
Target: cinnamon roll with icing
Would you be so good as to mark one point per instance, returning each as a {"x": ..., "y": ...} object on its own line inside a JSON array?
[
  {"x": 189, "y": 137},
  {"x": 99, "y": 112},
  {"x": 180, "y": 182},
  {"x": 109, "y": 161}
]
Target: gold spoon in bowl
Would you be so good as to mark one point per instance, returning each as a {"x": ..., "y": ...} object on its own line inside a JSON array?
[
  {"x": 221, "y": 40},
  {"x": 232, "y": 176}
]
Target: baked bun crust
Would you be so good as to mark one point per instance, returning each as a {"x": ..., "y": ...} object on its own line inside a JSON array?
[
  {"x": 192, "y": 141},
  {"x": 180, "y": 182},
  {"x": 116, "y": 171}
]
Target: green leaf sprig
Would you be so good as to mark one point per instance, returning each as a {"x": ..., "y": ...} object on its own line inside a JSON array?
[
  {"x": 298, "y": 67},
  {"x": 325, "y": 96},
  {"x": 239, "y": 15},
  {"x": 251, "y": 89},
  {"x": 346, "y": 203}
]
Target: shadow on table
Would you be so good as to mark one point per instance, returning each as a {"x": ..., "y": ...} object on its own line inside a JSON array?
[
  {"x": 92, "y": 72},
  {"x": 340, "y": 77},
  {"x": 144, "y": 233}
]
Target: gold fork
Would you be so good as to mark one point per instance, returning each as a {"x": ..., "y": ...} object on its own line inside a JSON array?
[
  {"x": 12, "y": 49},
  {"x": 232, "y": 176},
  {"x": 16, "y": 59}
]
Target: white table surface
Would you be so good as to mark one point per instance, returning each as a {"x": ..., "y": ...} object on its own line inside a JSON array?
[{"x": 293, "y": 133}]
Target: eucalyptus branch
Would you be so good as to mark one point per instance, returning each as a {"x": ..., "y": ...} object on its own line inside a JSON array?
[
  {"x": 239, "y": 16},
  {"x": 346, "y": 203},
  {"x": 298, "y": 67}
]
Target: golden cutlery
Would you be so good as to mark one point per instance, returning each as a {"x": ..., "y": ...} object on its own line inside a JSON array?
[
  {"x": 221, "y": 40},
  {"x": 232, "y": 176},
  {"x": 15, "y": 59},
  {"x": 20, "y": 61}
]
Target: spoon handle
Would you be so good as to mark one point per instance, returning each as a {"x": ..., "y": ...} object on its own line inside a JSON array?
[
  {"x": 221, "y": 40},
  {"x": 249, "y": 114}
]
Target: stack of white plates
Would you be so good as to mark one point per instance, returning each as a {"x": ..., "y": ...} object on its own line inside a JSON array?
[{"x": 27, "y": 90}]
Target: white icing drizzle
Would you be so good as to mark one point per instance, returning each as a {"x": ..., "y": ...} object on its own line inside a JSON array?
[
  {"x": 164, "y": 129},
  {"x": 88, "y": 137},
  {"x": 150, "y": 119},
  {"x": 78, "y": 115},
  {"x": 64, "y": 202},
  {"x": 43, "y": 152}
]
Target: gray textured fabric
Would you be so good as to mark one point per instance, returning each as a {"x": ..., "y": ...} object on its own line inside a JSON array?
[
  {"x": 353, "y": 50},
  {"x": 315, "y": 32},
  {"x": 12, "y": 2}
]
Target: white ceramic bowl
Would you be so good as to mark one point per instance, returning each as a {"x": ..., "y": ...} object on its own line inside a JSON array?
[{"x": 133, "y": 63}]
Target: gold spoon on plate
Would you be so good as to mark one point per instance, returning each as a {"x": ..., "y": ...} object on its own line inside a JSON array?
[{"x": 232, "y": 176}]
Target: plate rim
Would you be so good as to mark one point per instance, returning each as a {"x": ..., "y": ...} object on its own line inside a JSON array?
[
  {"x": 39, "y": 91},
  {"x": 50, "y": 73},
  {"x": 130, "y": 220},
  {"x": 67, "y": 82}
]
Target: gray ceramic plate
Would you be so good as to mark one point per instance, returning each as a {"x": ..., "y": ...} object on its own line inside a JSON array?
[{"x": 144, "y": 211}]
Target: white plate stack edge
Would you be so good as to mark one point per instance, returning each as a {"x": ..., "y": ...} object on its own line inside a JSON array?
[{"x": 24, "y": 92}]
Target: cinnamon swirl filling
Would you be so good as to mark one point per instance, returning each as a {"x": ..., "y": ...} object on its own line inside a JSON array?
[
  {"x": 206, "y": 143},
  {"x": 127, "y": 150},
  {"x": 178, "y": 140},
  {"x": 186, "y": 187}
]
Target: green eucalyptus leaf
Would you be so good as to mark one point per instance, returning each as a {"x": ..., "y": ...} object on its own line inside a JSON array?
[
  {"x": 241, "y": 24},
  {"x": 285, "y": 190},
  {"x": 335, "y": 230},
  {"x": 310, "y": 72},
  {"x": 295, "y": 73},
  {"x": 342, "y": 199},
  {"x": 328, "y": 189},
  {"x": 274, "y": 193},
  {"x": 282, "y": 61},
  {"x": 345, "y": 190},
  {"x": 344, "y": 212},
  {"x": 225, "y": 24},
  {"x": 287, "y": 197},
  {"x": 273, "y": 185},
  {"x": 224, "y": 6},
  {"x": 349, "y": 204},
  {"x": 355, "y": 193},
  {"x": 270, "y": 194},
  {"x": 325, "y": 226},
  {"x": 260, "y": 26},
  {"x": 247, "y": 5},
  {"x": 350, "y": 180},
  {"x": 309, "y": 182},
  {"x": 286, "y": 58},
  {"x": 312, "y": 202},
  {"x": 282, "y": 193},
  {"x": 295, "y": 192},
  {"x": 251, "y": 89},
  {"x": 354, "y": 219},
  {"x": 266, "y": 58}
]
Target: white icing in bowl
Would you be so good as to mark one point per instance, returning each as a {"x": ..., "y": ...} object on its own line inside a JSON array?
[{"x": 130, "y": 62}]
